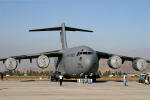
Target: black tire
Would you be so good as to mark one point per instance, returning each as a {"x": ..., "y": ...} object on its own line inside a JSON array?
[
  {"x": 94, "y": 79},
  {"x": 53, "y": 79}
]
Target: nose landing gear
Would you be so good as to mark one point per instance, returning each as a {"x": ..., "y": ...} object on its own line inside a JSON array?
[{"x": 93, "y": 77}]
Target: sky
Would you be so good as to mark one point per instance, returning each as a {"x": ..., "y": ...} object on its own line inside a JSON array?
[{"x": 119, "y": 25}]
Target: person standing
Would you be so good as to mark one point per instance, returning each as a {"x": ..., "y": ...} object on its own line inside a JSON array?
[
  {"x": 146, "y": 76},
  {"x": 143, "y": 79},
  {"x": 2, "y": 76},
  {"x": 60, "y": 79},
  {"x": 124, "y": 80},
  {"x": 146, "y": 79}
]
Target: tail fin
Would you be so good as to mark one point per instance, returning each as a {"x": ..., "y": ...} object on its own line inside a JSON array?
[{"x": 63, "y": 28}]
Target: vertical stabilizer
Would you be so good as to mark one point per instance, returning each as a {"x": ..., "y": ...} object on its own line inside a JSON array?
[{"x": 63, "y": 36}]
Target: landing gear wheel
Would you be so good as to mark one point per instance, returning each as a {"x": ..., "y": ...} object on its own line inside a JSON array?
[
  {"x": 94, "y": 79},
  {"x": 53, "y": 79}
]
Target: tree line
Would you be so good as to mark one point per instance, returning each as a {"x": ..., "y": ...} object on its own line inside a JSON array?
[
  {"x": 27, "y": 73},
  {"x": 48, "y": 73},
  {"x": 107, "y": 73}
]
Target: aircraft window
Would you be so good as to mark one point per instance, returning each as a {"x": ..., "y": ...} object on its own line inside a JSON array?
[
  {"x": 79, "y": 53},
  {"x": 89, "y": 52},
  {"x": 84, "y": 52}
]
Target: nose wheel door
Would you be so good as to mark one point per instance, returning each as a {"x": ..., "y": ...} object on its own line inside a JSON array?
[{"x": 80, "y": 62}]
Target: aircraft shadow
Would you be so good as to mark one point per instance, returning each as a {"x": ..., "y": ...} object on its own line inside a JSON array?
[
  {"x": 100, "y": 81},
  {"x": 27, "y": 81},
  {"x": 118, "y": 81},
  {"x": 103, "y": 81},
  {"x": 3, "y": 89},
  {"x": 69, "y": 80}
]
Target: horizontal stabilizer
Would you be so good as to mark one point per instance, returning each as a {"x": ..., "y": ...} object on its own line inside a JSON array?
[
  {"x": 60, "y": 28},
  {"x": 76, "y": 29},
  {"x": 47, "y": 29}
]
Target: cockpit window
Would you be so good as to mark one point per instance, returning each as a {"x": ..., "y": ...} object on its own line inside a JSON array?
[
  {"x": 89, "y": 52},
  {"x": 83, "y": 53}
]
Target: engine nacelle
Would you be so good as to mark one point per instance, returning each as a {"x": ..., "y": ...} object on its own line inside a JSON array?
[
  {"x": 11, "y": 64},
  {"x": 43, "y": 61},
  {"x": 139, "y": 64},
  {"x": 114, "y": 62}
]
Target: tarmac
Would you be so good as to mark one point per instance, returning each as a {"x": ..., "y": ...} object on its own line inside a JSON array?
[{"x": 46, "y": 90}]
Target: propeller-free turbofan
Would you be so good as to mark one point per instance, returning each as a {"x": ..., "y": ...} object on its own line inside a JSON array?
[
  {"x": 11, "y": 64},
  {"x": 139, "y": 64},
  {"x": 114, "y": 62},
  {"x": 43, "y": 61}
]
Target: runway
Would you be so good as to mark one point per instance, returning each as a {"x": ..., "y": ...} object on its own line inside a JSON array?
[{"x": 46, "y": 90}]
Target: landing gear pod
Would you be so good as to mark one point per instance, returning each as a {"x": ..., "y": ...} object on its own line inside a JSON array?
[
  {"x": 139, "y": 64},
  {"x": 114, "y": 62},
  {"x": 43, "y": 61},
  {"x": 11, "y": 64}
]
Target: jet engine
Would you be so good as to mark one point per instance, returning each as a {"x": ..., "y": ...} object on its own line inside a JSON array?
[
  {"x": 114, "y": 62},
  {"x": 43, "y": 61},
  {"x": 139, "y": 64},
  {"x": 11, "y": 64}
]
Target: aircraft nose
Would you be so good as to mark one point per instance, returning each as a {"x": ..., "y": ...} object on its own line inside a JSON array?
[{"x": 90, "y": 62}]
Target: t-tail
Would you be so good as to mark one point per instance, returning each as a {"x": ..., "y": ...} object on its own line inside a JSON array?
[{"x": 63, "y": 30}]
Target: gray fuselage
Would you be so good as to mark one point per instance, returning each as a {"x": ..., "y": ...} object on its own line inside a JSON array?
[{"x": 78, "y": 60}]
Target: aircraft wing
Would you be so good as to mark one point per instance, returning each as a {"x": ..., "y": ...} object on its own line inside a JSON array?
[
  {"x": 57, "y": 53},
  {"x": 107, "y": 55}
]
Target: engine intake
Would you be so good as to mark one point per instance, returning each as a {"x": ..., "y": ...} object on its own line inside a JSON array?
[
  {"x": 114, "y": 62},
  {"x": 43, "y": 61},
  {"x": 11, "y": 64},
  {"x": 139, "y": 64}
]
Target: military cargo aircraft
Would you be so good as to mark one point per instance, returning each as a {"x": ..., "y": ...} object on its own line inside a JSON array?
[{"x": 74, "y": 62}]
